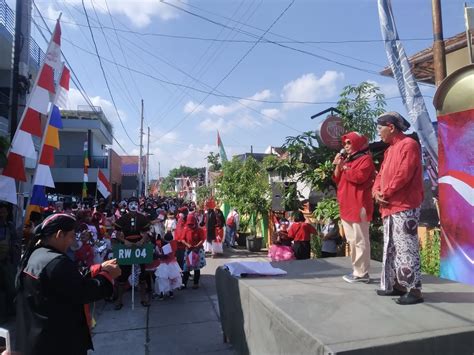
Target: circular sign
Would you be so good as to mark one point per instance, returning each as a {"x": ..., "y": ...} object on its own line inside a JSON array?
[{"x": 330, "y": 132}]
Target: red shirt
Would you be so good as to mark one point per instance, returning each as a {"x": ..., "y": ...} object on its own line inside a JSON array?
[
  {"x": 301, "y": 231},
  {"x": 354, "y": 188},
  {"x": 400, "y": 178},
  {"x": 193, "y": 235},
  {"x": 178, "y": 233}
]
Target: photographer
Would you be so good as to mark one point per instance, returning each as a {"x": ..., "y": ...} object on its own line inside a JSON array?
[
  {"x": 354, "y": 174},
  {"x": 52, "y": 293}
]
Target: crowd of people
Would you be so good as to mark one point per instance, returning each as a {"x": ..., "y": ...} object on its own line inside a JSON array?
[{"x": 64, "y": 258}]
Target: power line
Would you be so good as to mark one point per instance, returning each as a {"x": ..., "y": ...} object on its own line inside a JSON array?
[
  {"x": 128, "y": 96},
  {"x": 74, "y": 77},
  {"x": 210, "y": 39},
  {"x": 234, "y": 67},
  {"x": 105, "y": 76}
]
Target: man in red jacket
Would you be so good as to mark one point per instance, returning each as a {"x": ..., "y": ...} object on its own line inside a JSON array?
[
  {"x": 398, "y": 189},
  {"x": 354, "y": 175}
]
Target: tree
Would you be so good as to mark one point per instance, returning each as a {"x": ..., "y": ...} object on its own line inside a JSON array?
[
  {"x": 213, "y": 160},
  {"x": 186, "y": 171},
  {"x": 244, "y": 185},
  {"x": 306, "y": 161},
  {"x": 360, "y": 106}
]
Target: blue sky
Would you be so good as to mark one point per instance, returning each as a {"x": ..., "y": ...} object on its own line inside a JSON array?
[{"x": 184, "y": 121}]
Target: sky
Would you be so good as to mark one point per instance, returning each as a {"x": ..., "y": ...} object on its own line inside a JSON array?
[{"x": 203, "y": 66}]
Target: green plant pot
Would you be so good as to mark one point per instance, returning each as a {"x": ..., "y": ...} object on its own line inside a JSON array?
[{"x": 254, "y": 244}]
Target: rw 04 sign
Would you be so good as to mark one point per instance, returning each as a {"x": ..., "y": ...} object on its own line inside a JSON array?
[{"x": 133, "y": 255}]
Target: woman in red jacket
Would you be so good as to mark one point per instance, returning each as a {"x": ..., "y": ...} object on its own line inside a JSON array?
[
  {"x": 354, "y": 175},
  {"x": 194, "y": 257},
  {"x": 300, "y": 232}
]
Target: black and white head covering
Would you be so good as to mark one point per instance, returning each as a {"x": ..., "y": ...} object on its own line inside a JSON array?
[{"x": 393, "y": 118}]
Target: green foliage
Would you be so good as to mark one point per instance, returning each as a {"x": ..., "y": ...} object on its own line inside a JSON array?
[
  {"x": 376, "y": 240},
  {"x": 430, "y": 253},
  {"x": 244, "y": 185},
  {"x": 327, "y": 208},
  {"x": 4, "y": 145},
  {"x": 306, "y": 162},
  {"x": 213, "y": 160},
  {"x": 168, "y": 182},
  {"x": 202, "y": 194},
  {"x": 316, "y": 245},
  {"x": 360, "y": 105}
]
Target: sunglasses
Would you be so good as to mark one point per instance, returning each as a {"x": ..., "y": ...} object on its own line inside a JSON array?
[{"x": 347, "y": 143}]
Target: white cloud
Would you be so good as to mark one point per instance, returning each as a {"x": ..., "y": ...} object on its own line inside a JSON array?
[
  {"x": 247, "y": 121},
  {"x": 224, "y": 110},
  {"x": 140, "y": 13},
  {"x": 309, "y": 87},
  {"x": 271, "y": 113},
  {"x": 75, "y": 101},
  {"x": 213, "y": 124},
  {"x": 262, "y": 95},
  {"x": 192, "y": 107}
]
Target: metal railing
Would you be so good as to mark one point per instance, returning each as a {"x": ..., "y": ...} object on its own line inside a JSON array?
[
  {"x": 77, "y": 161},
  {"x": 7, "y": 19}
]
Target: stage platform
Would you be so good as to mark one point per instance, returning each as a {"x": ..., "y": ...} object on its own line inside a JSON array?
[{"x": 311, "y": 310}]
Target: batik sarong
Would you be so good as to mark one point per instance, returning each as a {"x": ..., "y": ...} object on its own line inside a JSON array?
[{"x": 401, "y": 254}]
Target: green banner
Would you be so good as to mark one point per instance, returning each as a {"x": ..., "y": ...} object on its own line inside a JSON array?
[{"x": 133, "y": 255}]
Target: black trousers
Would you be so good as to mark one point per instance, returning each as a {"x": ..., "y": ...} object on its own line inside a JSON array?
[
  {"x": 325, "y": 254},
  {"x": 302, "y": 249},
  {"x": 196, "y": 277}
]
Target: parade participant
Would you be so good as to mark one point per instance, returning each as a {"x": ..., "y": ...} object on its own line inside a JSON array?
[
  {"x": 179, "y": 236},
  {"x": 52, "y": 293},
  {"x": 168, "y": 273},
  {"x": 281, "y": 244},
  {"x": 10, "y": 248},
  {"x": 133, "y": 228},
  {"x": 300, "y": 232},
  {"x": 220, "y": 222},
  {"x": 170, "y": 223},
  {"x": 354, "y": 175},
  {"x": 232, "y": 226},
  {"x": 398, "y": 190},
  {"x": 194, "y": 257},
  {"x": 210, "y": 226}
]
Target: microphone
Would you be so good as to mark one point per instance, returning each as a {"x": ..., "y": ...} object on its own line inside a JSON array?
[{"x": 343, "y": 153}]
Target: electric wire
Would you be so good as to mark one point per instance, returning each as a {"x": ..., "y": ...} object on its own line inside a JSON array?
[
  {"x": 74, "y": 77},
  {"x": 105, "y": 76}
]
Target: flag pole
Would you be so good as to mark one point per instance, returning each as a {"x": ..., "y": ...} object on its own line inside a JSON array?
[
  {"x": 41, "y": 147},
  {"x": 96, "y": 183}
]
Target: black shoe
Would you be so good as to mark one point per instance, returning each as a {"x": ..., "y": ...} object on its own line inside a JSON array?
[
  {"x": 394, "y": 292},
  {"x": 161, "y": 296},
  {"x": 409, "y": 298},
  {"x": 171, "y": 294}
]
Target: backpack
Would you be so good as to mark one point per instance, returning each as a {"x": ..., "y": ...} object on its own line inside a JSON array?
[{"x": 230, "y": 221}]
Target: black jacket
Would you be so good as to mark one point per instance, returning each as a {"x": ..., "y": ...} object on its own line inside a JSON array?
[{"x": 50, "y": 304}]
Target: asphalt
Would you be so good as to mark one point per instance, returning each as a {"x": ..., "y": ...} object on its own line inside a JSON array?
[{"x": 188, "y": 323}]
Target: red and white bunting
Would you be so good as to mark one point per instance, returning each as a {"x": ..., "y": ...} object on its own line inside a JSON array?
[
  {"x": 62, "y": 96},
  {"x": 39, "y": 101},
  {"x": 43, "y": 176}
]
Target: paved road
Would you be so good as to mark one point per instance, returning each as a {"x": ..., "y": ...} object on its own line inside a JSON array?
[{"x": 189, "y": 323}]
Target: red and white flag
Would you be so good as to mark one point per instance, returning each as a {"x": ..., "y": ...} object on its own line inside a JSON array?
[{"x": 103, "y": 185}]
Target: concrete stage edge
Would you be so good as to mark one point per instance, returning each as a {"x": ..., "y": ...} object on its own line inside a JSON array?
[{"x": 311, "y": 310}]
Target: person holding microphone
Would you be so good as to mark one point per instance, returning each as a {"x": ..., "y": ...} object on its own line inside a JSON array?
[
  {"x": 52, "y": 292},
  {"x": 354, "y": 175}
]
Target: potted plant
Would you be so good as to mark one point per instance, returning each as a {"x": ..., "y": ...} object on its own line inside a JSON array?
[{"x": 244, "y": 185}]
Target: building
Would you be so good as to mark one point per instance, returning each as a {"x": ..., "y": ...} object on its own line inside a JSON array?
[
  {"x": 457, "y": 56},
  {"x": 130, "y": 175},
  {"x": 80, "y": 126},
  {"x": 7, "y": 32}
]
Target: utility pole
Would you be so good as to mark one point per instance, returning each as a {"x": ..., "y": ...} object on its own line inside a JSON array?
[
  {"x": 21, "y": 56},
  {"x": 140, "y": 167},
  {"x": 439, "y": 55},
  {"x": 147, "y": 179}
]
